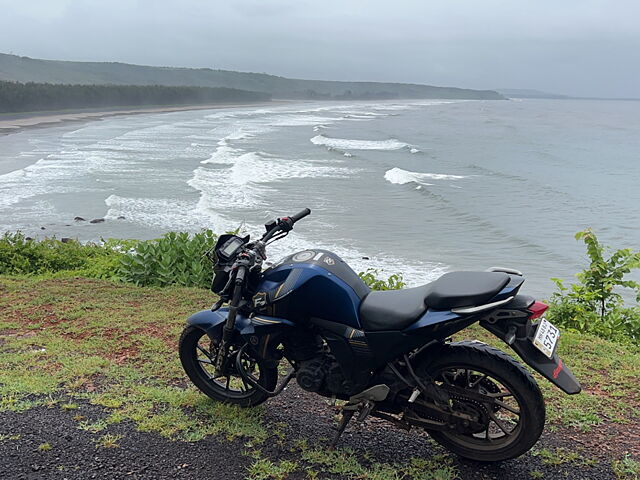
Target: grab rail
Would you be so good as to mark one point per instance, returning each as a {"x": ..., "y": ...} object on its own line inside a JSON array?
[{"x": 512, "y": 271}]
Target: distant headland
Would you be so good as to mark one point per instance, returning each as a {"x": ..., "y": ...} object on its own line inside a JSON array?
[{"x": 14, "y": 68}]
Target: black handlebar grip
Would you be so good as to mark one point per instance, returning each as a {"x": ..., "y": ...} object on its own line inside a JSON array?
[
  {"x": 300, "y": 215},
  {"x": 240, "y": 274}
]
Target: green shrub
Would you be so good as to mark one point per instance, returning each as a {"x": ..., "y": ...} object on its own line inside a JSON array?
[
  {"x": 176, "y": 258},
  {"x": 594, "y": 304},
  {"x": 370, "y": 277},
  {"x": 22, "y": 256}
]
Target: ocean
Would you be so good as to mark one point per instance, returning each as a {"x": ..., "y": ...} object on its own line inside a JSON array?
[{"x": 417, "y": 187}]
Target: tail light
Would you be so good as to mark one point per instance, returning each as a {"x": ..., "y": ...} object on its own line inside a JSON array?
[{"x": 537, "y": 309}]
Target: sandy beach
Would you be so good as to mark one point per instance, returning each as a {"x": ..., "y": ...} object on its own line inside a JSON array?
[{"x": 11, "y": 123}]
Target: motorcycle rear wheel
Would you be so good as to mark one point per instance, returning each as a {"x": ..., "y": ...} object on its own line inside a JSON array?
[
  {"x": 197, "y": 353},
  {"x": 511, "y": 425}
]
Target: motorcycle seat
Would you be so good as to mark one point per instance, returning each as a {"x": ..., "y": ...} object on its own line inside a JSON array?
[
  {"x": 397, "y": 309},
  {"x": 464, "y": 289},
  {"x": 392, "y": 309}
]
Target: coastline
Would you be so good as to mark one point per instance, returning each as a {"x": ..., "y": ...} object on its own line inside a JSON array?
[{"x": 13, "y": 123}]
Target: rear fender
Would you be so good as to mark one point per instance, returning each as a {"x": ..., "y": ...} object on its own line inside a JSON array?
[{"x": 516, "y": 329}]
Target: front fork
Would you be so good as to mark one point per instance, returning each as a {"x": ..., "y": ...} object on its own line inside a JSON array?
[{"x": 230, "y": 323}]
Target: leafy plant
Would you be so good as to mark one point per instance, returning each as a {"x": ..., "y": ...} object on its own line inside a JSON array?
[
  {"x": 176, "y": 258},
  {"x": 594, "y": 304},
  {"x": 20, "y": 255},
  {"x": 370, "y": 277}
]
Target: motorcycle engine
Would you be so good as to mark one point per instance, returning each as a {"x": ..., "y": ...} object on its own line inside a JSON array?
[
  {"x": 312, "y": 373},
  {"x": 322, "y": 374},
  {"x": 316, "y": 368}
]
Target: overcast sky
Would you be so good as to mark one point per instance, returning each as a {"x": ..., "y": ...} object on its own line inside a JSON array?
[{"x": 575, "y": 47}]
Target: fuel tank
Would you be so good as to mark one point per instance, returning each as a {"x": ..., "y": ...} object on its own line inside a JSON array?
[{"x": 311, "y": 284}]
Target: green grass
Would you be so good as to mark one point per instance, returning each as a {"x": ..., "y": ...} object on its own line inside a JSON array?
[
  {"x": 345, "y": 463},
  {"x": 607, "y": 371},
  {"x": 112, "y": 345},
  {"x": 626, "y": 468},
  {"x": 557, "y": 456},
  {"x": 264, "y": 469},
  {"x": 68, "y": 341},
  {"x": 44, "y": 447},
  {"x": 108, "y": 441}
]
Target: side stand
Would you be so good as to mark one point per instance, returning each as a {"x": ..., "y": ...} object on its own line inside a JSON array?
[
  {"x": 363, "y": 403},
  {"x": 344, "y": 421}
]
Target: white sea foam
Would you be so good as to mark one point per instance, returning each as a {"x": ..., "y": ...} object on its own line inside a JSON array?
[
  {"x": 414, "y": 150},
  {"x": 347, "y": 144},
  {"x": 299, "y": 120},
  {"x": 54, "y": 174},
  {"x": 223, "y": 155},
  {"x": 399, "y": 176},
  {"x": 244, "y": 177},
  {"x": 166, "y": 214}
]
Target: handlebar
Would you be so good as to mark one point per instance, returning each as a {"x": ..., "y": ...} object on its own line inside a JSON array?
[
  {"x": 240, "y": 274},
  {"x": 284, "y": 224},
  {"x": 300, "y": 215}
]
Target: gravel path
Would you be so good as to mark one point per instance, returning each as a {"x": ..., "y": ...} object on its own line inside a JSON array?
[{"x": 74, "y": 453}]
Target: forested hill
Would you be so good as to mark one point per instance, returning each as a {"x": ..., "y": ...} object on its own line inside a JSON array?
[
  {"x": 30, "y": 97},
  {"x": 24, "y": 69}
]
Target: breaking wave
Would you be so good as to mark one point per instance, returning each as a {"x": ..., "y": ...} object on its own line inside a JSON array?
[
  {"x": 347, "y": 144},
  {"x": 399, "y": 176}
]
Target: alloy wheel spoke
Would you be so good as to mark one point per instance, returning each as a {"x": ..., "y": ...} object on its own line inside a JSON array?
[
  {"x": 507, "y": 407},
  {"x": 232, "y": 384},
  {"x": 207, "y": 354},
  {"x": 499, "y": 423},
  {"x": 500, "y": 394}
]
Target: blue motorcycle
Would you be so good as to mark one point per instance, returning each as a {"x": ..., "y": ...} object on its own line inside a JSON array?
[{"x": 387, "y": 354}]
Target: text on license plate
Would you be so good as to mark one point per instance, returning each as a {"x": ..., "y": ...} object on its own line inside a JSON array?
[{"x": 546, "y": 337}]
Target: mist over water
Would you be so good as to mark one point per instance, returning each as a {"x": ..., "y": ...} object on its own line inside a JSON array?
[{"x": 418, "y": 187}]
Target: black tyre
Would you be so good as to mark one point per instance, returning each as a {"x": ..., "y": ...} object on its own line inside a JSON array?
[
  {"x": 506, "y": 428},
  {"x": 197, "y": 351}
]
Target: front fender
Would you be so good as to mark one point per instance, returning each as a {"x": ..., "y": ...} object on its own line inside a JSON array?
[
  {"x": 261, "y": 333},
  {"x": 212, "y": 323}
]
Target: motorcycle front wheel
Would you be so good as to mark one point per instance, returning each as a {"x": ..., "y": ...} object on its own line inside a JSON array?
[
  {"x": 197, "y": 354},
  {"x": 512, "y": 418}
]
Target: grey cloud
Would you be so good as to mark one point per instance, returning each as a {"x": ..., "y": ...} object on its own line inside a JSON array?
[{"x": 586, "y": 48}]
